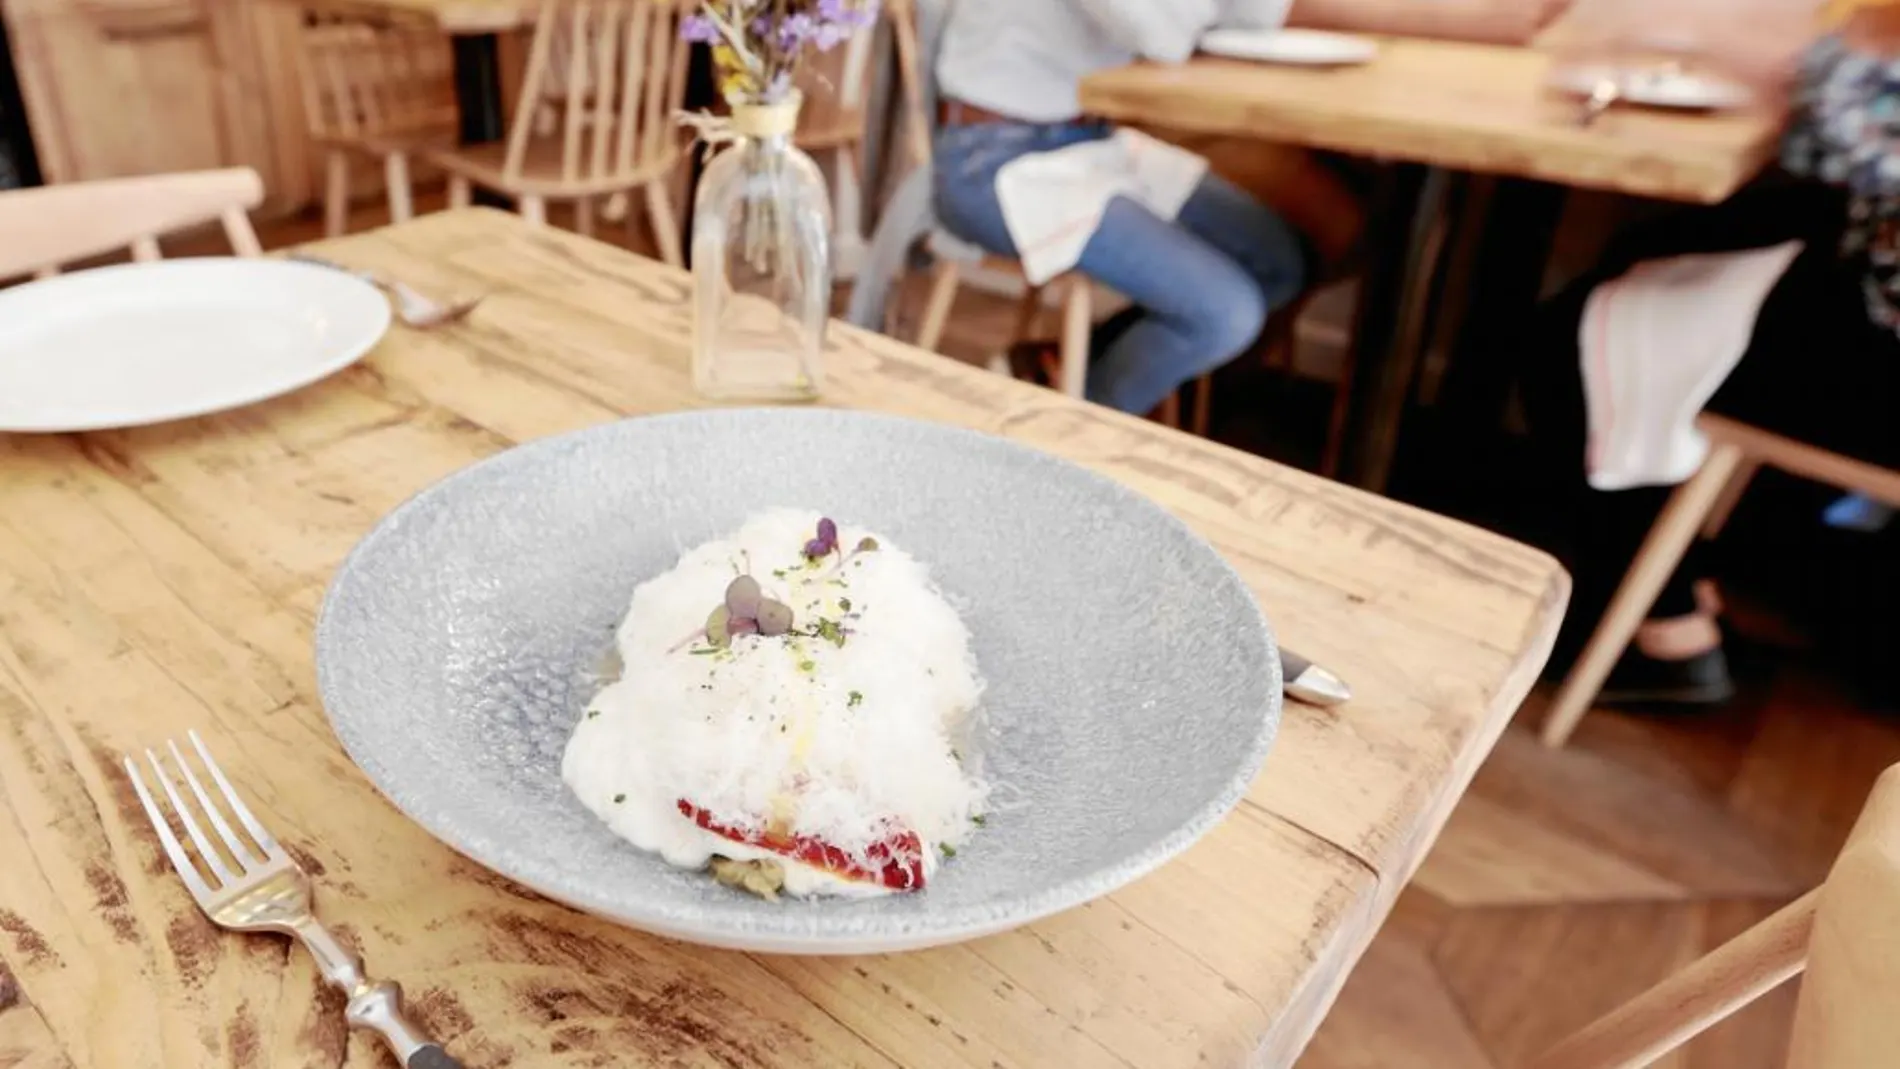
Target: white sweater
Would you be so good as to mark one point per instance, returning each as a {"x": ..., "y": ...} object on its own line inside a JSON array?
[{"x": 1025, "y": 58}]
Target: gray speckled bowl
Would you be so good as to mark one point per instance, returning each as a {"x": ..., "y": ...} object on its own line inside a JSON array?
[{"x": 1133, "y": 685}]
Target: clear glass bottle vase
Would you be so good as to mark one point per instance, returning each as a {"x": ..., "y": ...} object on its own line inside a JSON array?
[{"x": 761, "y": 264}]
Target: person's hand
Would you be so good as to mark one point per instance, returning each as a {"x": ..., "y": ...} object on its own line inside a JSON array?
[{"x": 1758, "y": 42}]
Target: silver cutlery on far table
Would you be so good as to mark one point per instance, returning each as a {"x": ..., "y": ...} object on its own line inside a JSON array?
[
  {"x": 248, "y": 893},
  {"x": 416, "y": 310},
  {"x": 1605, "y": 93}
]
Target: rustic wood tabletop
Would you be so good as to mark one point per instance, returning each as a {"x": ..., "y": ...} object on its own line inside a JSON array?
[{"x": 166, "y": 578}]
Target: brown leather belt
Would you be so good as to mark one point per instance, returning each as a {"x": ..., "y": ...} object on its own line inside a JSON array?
[{"x": 957, "y": 113}]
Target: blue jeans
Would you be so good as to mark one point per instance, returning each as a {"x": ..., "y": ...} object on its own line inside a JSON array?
[{"x": 1204, "y": 283}]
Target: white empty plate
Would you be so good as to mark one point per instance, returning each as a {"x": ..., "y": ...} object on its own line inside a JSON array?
[
  {"x": 1309, "y": 48},
  {"x": 144, "y": 343},
  {"x": 1654, "y": 87}
]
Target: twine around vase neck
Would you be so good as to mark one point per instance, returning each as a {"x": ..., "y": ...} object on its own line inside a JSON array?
[{"x": 755, "y": 122}]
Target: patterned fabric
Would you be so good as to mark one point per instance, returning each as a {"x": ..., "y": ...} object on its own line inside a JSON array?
[{"x": 1846, "y": 131}]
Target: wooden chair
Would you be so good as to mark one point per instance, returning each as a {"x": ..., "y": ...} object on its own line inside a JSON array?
[
  {"x": 832, "y": 127},
  {"x": 1847, "y": 937},
  {"x": 613, "y": 73},
  {"x": 955, "y": 257},
  {"x": 384, "y": 91},
  {"x": 47, "y": 226},
  {"x": 1736, "y": 452}
]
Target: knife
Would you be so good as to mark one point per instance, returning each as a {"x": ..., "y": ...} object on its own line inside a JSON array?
[{"x": 1305, "y": 681}]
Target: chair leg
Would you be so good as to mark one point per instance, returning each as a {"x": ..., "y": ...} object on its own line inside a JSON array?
[
  {"x": 396, "y": 179},
  {"x": 1078, "y": 319},
  {"x": 1028, "y": 310},
  {"x": 336, "y": 193},
  {"x": 1731, "y": 497},
  {"x": 461, "y": 194},
  {"x": 1202, "y": 417},
  {"x": 1336, "y": 423},
  {"x": 666, "y": 225},
  {"x": 943, "y": 294},
  {"x": 584, "y": 217},
  {"x": 1662, "y": 550},
  {"x": 534, "y": 210},
  {"x": 1169, "y": 414}
]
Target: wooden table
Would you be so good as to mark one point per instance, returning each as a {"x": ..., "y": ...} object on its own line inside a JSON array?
[
  {"x": 1465, "y": 107},
  {"x": 167, "y": 578},
  {"x": 1452, "y": 108}
]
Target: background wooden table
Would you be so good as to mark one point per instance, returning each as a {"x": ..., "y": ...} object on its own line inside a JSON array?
[
  {"x": 1478, "y": 108},
  {"x": 1437, "y": 110},
  {"x": 166, "y": 578}
]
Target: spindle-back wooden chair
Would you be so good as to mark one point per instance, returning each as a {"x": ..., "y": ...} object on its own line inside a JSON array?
[
  {"x": 1736, "y": 452},
  {"x": 1846, "y": 936},
  {"x": 48, "y": 226},
  {"x": 378, "y": 89},
  {"x": 603, "y": 81}
]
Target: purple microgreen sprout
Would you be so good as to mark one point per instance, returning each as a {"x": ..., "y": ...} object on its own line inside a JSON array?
[
  {"x": 865, "y": 545},
  {"x": 826, "y": 543},
  {"x": 747, "y": 611}
]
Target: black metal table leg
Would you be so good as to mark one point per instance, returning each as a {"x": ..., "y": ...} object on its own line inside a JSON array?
[
  {"x": 478, "y": 97},
  {"x": 1410, "y": 225}
]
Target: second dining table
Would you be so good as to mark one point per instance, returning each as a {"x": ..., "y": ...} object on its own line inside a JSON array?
[
  {"x": 164, "y": 579},
  {"x": 1437, "y": 109}
]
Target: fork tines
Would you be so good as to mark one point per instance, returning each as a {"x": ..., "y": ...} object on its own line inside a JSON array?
[{"x": 216, "y": 875}]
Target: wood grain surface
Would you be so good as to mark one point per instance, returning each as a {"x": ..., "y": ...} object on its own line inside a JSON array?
[
  {"x": 1479, "y": 108},
  {"x": 166, "y": 578}
]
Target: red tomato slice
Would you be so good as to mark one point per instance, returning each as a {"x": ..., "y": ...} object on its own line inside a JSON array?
[{"x": 897, "y": 862}]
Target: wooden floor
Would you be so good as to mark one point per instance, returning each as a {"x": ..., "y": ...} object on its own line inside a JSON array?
[{"x": 1568, "y": 881}]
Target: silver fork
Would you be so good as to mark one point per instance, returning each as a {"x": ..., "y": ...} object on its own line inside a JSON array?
[
  {"x": 416, "y": 309},
  {"x": 271, "y": 894}
]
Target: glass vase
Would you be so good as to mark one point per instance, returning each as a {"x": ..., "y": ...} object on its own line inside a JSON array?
[{"x": 761, "y": 264}]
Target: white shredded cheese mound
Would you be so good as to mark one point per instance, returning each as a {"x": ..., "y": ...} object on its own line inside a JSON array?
[{"x": 846, "y": 731}]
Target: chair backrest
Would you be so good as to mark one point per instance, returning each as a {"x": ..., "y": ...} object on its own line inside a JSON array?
[
  {"x": 48, "y": 226},
  {"x": 1849, "y": 1013},
  {"x": 614, "y": 73},
  {"x": 363, "y": 78},
  {"x": 1847, "y": 936},
  {"x": 834, "y": 85}
]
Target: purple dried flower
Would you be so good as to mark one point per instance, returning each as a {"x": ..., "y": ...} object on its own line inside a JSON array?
[
  {"x": 826, "y": 542},
  {"x": 855, "y": 15},
  {"x": 831, "y": 35},
  {"x": 699, "y": 29},
  {"x": 796, "y": 30}
]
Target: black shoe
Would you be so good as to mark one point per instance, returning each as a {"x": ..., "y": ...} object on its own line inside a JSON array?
[{"x": 1639, "y": 679}]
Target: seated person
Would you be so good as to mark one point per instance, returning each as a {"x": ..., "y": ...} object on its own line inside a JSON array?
[
  {"x": 1203, "y": 262},
  {"x": 1821, "y": 363}
]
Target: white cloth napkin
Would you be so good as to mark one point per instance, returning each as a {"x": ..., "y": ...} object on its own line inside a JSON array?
[
  {"x": 1053, "y": 201},
  {"x": 1656, "y": 343}
]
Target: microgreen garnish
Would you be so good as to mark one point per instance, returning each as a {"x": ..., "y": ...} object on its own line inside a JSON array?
[
  {"x": 829, "y": 631},
  {"x": 747, "y": 611},
  {"x": 979, "y": 820},
  {"x": 948, "y": 850},
  {"x": 845, "y": 604},
  {"x": 856, "y": 699},
  {"x": 826, "y": 543}
]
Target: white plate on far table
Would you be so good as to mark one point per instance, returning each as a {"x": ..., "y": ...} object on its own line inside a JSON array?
[
  {"x": 1305, "y": 48},
  {"x": 1654, "y": 86},
  {"x": 145, "y": 343}
]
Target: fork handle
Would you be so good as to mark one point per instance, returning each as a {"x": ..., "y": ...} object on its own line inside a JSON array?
[{"x": 373, "y": 1006}]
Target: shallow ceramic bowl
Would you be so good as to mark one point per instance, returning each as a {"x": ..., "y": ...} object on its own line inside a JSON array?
[{"x": 1133, "y": 684}]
